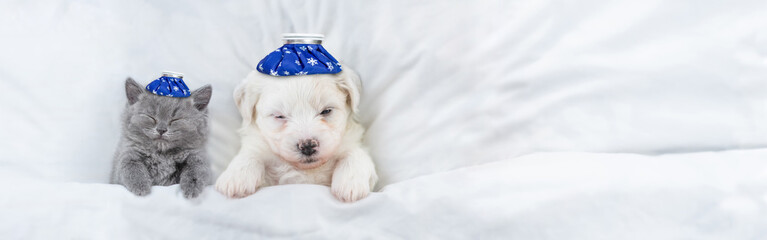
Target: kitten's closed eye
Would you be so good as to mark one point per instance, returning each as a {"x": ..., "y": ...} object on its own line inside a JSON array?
[
  {"x": 174, "y": 120},
  {"x": 150, "y": 118}
]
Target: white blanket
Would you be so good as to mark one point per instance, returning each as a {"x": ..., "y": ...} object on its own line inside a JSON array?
[
  {"x": 455, "y": 92},
  {"x": 713, "y": 195}
]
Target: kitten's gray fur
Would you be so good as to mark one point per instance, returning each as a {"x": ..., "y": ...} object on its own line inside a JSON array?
[{"x": 145, "y": 157}]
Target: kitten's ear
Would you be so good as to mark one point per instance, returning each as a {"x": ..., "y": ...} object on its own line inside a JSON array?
[
  {"x": 132, "y": 90},
  {"x": 201, "y": 97}
]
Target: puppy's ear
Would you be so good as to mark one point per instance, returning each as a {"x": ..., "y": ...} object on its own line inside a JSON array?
[
  {"x": 201, "y": 97},
  {"x": 132, "y": 91},
  {"x": 246, "y": 96},
  {"x": 349, "y": 82}
]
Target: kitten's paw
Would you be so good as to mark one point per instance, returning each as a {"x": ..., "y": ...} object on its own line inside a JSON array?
[
  {"x": 238, "y": 183},
  {"x": 191, "y": 186},
  {"x": 349, "y": 187},
  {"x": 139, "y": 189}
]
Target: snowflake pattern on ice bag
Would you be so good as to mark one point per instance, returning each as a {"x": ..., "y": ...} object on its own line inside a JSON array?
[
  {"x": 171, "y": 84},
  {"x": 302, "y": 54}
]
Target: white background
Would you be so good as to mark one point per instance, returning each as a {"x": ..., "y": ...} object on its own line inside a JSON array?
[{"x": 447, "y": 84}]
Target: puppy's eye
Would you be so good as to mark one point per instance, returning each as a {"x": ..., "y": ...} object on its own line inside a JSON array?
[
  {"x": 279, "y": 117},
  {"x": 326, "y": 111}
]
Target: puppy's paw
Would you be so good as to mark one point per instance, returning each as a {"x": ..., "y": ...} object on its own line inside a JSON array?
[
  {"x": 191, "y": 186},
  {"x": 350, "y": 188},
  {"x": 238, "y": 183}
]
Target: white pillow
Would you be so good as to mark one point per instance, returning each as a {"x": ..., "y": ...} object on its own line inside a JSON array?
[{"x": 446, "y": 85}]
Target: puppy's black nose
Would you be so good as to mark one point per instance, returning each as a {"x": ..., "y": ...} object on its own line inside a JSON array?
[
  {"x": 161, "y": 130},
  {"x": 308, "y": 147}
]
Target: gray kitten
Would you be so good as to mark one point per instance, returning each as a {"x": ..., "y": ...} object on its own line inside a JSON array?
[{"x": 163, "y": 141}]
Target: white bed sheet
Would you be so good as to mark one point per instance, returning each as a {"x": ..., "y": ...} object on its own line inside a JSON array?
[
  {"x": 454, "y": 92},
  {"x": 447, "y": 83},
  {"x": 711, "y": 195}
]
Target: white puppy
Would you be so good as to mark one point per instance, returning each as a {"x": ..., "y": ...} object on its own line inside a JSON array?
[{"x": 300, "y": 129}]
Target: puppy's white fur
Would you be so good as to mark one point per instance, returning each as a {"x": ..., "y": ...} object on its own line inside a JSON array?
[{"x": 280, "y": 112}]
